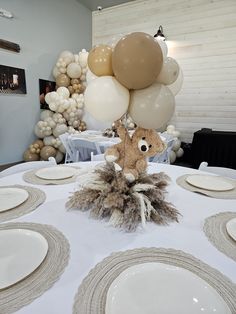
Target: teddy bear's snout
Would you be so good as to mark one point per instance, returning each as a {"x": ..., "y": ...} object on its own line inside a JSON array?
[{"x": 143, "y": 146}]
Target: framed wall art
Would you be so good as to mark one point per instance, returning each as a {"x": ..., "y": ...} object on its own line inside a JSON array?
[{"x": 12, "y": 80}]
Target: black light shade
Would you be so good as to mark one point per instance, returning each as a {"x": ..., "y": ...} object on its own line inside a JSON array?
[{"x": 160, "y": 34}]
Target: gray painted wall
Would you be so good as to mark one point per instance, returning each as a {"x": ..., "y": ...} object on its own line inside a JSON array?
[{"x": 42, "y": 29}]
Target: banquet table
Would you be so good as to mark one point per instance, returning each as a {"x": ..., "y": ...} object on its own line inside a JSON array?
[{"x": 93, "y": 240}]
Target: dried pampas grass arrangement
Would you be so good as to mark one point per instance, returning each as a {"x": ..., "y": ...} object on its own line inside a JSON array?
[{"x": 107, "y": 194}]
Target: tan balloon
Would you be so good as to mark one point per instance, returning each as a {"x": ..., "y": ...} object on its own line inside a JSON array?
[
  {"x": 137, "y": 60},
  {"x": 39, "y": 142},
  {"x": 28, "y": 156},
  {"x": 100, "y": 60},
  {"x": 152, "y": 107},
  {"x": 169, "y": 72},
  {"x": 62, "y": 80},
  {"x": 47, "y": 151}
]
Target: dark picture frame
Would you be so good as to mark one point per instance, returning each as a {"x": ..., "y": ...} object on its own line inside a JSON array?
[
  {"x": 45, "y": 87},
  {"x": 12, "y": 80}
]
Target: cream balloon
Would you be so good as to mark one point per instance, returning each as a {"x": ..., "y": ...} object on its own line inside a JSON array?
[
  {"x": 180, "y": 152},
  {"x": 46, "y": 114},
  {"x": 106, "y": 99},
  {"x": 63, "y": 92},
  {"x": 169, "y": 71},
  {"x": 73, "y": 70},
  {"x": 152, "y": 107},
  {"x": 60, "y": 129},
  {"x": 83, "y": 57},
  {"x": 177, "y": 85},
  {"x": 59, "y": 157},
  {"x": 176, "y": 145},
  {"x": 172, "y": 156}
]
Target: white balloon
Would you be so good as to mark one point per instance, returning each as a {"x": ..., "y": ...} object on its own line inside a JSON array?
[
  {"x": 38, "y": 132},
  {"x": 164, "y": 47},
  {"x": 63, "y": 92},
  {"x": 176, "y": 145},
  {"x": 48, "y": 140},
  {"x": 170, "y": 128},
  {"x": 172, "y": 156},
  {"x": 106, "y": 99},
  {"x": 90, "y": 76},
  {"x": 83, "y": 57},
  {"x": 169, "y": 71},
  {"x": 176, "y": 133},
  {"x": 45, "y": 114},
  {"x": 53, "y": 96},
  {"x": 59, "y": 129},
  {"x": 62, "y": 149},
  {"x": 53, "y": 106},
  {"x": 67, "y": 57},
  {"x": 177, "y": 85},
  {"x": 73, "y": 70},
  {"x": 180, "y": 152}
]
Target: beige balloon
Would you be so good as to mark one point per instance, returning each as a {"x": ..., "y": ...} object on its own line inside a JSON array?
[
  {"x": 137, "y": 60},
  {"x": 28, "y": 156},
  {"x": 47, "y": 151},
  {"x": 169, "y": 71},
  {"x": 99, "y": 60},
  {"x": 73, "y": 70},
  {"x": 62, "y": 80},
  {"x": 152, "y": 107}
]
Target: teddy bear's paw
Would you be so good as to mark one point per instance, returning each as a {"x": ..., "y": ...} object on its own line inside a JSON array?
[
  {"x": 129, "y": 177},
  {"x": 111, "y": 158}
]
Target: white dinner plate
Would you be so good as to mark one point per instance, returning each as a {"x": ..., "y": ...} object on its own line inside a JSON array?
[
  {"x": 231, "y": 228},
  {"x": 12, "y": 197},
  {"x": 21, "y": 252},
  {"x": 55, "y": 173},
  {"x": 161, "y": 288},
  {"x": 208, "y": 182}
]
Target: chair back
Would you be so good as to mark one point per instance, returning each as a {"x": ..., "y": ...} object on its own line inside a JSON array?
[
  {"x": 97, "y": 157},
  {"x": 78, "y": 144},
  {"x": 224, "y": 172},
  {"x": 65, "y": 139},
  {"x": 28, "y": 166}
]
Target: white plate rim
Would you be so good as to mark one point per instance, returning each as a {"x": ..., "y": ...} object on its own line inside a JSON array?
[
  {"x": 19, "y": 190},
  {"x": 46, "y": 248},
  {"x": 228, "y": 228},
  {"x": 231, "y": 186}
]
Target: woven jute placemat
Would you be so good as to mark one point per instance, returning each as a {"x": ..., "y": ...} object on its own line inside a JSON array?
[
  {"x": 181, "y": 181},
  {"x": 91, "y": 296},
  {"x": 28, "y": 289},
  {"x": 216, "y": 232},
  {"x": 30, "y": 177},
  {"x": 36, "y": 197}
]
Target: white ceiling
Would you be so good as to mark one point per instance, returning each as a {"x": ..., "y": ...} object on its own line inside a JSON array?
[{"x": 93, "y": 4}]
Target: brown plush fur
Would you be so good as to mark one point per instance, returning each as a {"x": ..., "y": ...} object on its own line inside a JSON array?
[
  {"x": 131, "y": 153},
  {"x": 116, "y": 198}
]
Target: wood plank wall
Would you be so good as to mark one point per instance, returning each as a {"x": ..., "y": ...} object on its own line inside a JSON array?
[{"x": 202, "y": 38}]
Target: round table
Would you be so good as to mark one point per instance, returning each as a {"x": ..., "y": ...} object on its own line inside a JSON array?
[{"x": 92, "y": 240}]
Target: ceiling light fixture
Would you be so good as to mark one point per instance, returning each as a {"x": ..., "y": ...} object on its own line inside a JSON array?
[{"x": 159, "y": 34}]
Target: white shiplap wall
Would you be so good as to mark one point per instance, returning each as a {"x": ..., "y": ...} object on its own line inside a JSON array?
[{"x": 202, "y": 38}]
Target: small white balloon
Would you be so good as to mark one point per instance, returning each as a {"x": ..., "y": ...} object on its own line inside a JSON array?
[
  {"x": 67, "y": 57},
  {"x": 172, "y": 156},
  {"x": 59, "y": 156},
  {"x": 169, "y": 71},
  {"x": 55, "y": 72},
  {"x": 177, "y": 85},
  {"x": 48, "y": 140},
  {"x": 176, "y": 145},
  {"x": 170, "y": 127},
  {"x": 176, "y": 133},
  {"x": 59, "y": 129},
  {"x": 46, "y": 114},
  {"x": 62, "y": 149},
  {"x": 180, "y": 152},
  {"x": 83, "y": 57},
  {"x": 63, "y": 92}
]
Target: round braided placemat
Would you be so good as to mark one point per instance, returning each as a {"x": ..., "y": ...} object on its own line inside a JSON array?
[
  {"x": 216, "y": 232},
  {"x": 91, "y": 296},
  {"x": 28, "y": 289},
  {"x": 181, "y": 181},
  {"x": 36, "y": 197},
  {"x": 30, "y": 177}
]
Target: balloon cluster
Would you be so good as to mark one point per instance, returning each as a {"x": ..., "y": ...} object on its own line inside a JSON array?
[
  {"x": 134, "y": 76},
  {"x": 176, "y": 150},
  {"x": 66, "y": 107}
]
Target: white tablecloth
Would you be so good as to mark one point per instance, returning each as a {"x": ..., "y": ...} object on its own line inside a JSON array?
[{"x": 93, "y": 240}]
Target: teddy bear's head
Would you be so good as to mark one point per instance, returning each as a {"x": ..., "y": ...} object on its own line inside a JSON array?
[{"x": 148, "y": 142}]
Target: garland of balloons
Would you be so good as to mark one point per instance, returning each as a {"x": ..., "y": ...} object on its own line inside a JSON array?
[
  {"x": 66, "y": 108},
  {"x": 135, "y": 77}
]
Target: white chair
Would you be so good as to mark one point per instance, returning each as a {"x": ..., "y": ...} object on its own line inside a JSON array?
[
  {"x": 225, "y": 172},
  {"x": 69, "y": 157},
  {"x": 28, "y": 166},
  {"x": 97, "y": 157},
  {"x": 81, "y": 146}
]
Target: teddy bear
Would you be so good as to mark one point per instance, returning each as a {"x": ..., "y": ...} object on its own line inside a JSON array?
[{"x": 132, "y": 152}]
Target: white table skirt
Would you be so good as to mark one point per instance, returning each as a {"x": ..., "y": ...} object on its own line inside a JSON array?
[{"x": 93, "y": 240}]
